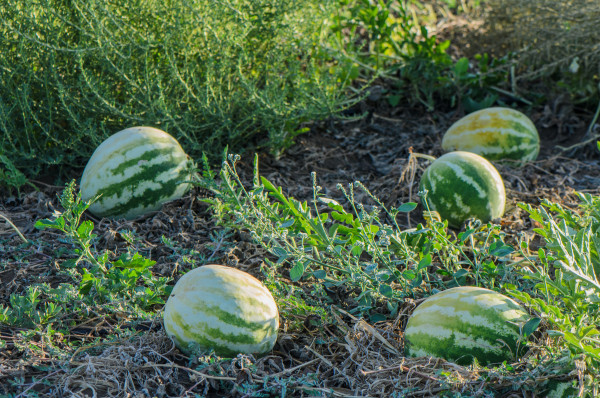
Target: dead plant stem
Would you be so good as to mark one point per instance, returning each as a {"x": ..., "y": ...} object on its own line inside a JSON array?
[{"x": 14, "y": 227}]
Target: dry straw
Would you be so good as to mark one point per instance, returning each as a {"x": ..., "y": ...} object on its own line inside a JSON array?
[{"x": 548, "y": 36}]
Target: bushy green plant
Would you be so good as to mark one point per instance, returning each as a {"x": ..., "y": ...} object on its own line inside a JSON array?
[
  {"x": 566, "y": 274},
  {"x": 217, "y": 73},
  {"x": 125, "y": 285},
  {"x": 385, "y": 39},
  {"x": 356, "y": 248}
]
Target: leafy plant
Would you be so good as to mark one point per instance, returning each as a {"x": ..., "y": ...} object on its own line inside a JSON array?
[
  {"x": 565, "y": 272},
  {"x": 386, "y": 39},
  {"x": 360, "y": 256},
  {"x": 238, "y": 73},
  {"x": 10, "y": 176},
  {"x": 124, "y": 285}
]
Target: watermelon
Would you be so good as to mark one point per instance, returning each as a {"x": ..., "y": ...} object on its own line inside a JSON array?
[
  {"x": 461, "y": 185},
  {"x": 463, "y": 323},
  {"x": 224, "y": 309},
  {"x": 561, "y": 389},
  {"x": 496, "y": 134},
  {"x": 135, "y": 171}
]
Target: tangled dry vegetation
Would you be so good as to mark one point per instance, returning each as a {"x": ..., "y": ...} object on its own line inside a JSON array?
[
  {"x": 543, "y": 40},
  {"x": 549, "y": 35}
]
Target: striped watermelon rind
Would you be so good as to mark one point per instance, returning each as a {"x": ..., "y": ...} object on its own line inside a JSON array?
[
  {"x": 462, "y": 185},
  {"x": 135, "y": 171},
  {"x": 560, "y": 389},
  {"x": 463, "y": 323},
  {"x": 224, "y": 309},
  {"x": 495, "y": 133}
]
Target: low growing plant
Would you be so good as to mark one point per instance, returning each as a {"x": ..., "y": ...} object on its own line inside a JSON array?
[
  {"x": 101, "y": 284},
  {"x": 359, "y": 255},
  {"x": 386, "y": 39},
  {"x": 565, "y": 273}
]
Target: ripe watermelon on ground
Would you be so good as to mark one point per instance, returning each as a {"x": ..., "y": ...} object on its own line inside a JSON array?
[
  {"x": 223, "y": 309},
  {"x": 461, "y": 185},
  {"x": 463, "y": 323},
  {"x": 560, "y": 389},
  {"x": 135, "y": 171},
  {"x": 496, "y": 134}
]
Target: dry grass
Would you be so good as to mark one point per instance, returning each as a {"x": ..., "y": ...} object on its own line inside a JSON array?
[
  {"x": 547, "y": 35},
  {"x": 361, "y": 360},
  {"x": 345, "y": 358}
]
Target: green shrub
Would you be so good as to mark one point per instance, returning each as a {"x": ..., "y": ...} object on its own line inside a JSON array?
[
  {"x": 232, "y": 72},
  {"x": 391, "y": 39},
  {"x": 352, "y": 247}
]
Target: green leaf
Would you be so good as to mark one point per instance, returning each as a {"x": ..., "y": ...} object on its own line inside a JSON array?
[
  {"x": 502, "y": 250},
  {"x": 460, "y": 274},
  {"x": 320, "y": 274},
  {"x": 407, "y": 207},
  {"x": 425, "y": 262},
  {"x": 279, "y": 251},
  {"x": 531, "y": 326},
  {"x": 288, "y": 223},
  {"x": 134, "y": 262},
  {"x": 58, "y": 223},
  {"x": 86, "y": 283},
  {"x": 333, "y": 204},
  {"x": 409, "y": 274},
  {"x": 589, "y": 331},
  {"x": 461, "y": 67},
  {"x": 571, "y": 339},
  {"x": 85, "y": 229},
  {"x": 375, "y": 317},
  {"x": 356, "y": 250},
  {"x": 386, "y": 290},
  {"x": 343, "y": 217},
  {"x": 297, "y": 272}
]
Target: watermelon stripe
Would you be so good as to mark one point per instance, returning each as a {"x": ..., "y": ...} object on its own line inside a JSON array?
[
  {"x": 221, "y": 344},
  {"x": 463, "y": 323},
  {"x": 458, "y": 167},
  {"x": 223, "y": 309},
  {"x": 456, "y": 349},
  {"x": 251, "y": 301},
  {"x": 156, "y": 165},
  {"x": 218, "y": 329},
  {"x": 147, "y": 197},
  {"x": 516, "y": 129},
  {"x": 135, "y": 171},
  {"x": 124, "y": 143},
  {"x": 495, "y": 133}
]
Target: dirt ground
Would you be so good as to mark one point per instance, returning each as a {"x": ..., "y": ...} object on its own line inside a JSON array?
[{"x": 357, "y": 359}]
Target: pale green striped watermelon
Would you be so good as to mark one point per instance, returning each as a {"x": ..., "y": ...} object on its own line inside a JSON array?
[
  {"x": 462, "y": 185},
  {"x": 135, "y": 170},
  {"x": 560, "y": 389},
  {"x": 463, "y": 323},
  {"x": 223, "y": 309},
  {"x": 496, "y": 134}
]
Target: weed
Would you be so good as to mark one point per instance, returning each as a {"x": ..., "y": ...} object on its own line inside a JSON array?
[
  {"x": 565, "y": 273},
  {"x": 124, "y": 285},
  {"x": 385, "y": 39},
  {"x": 358, "y": 254}
]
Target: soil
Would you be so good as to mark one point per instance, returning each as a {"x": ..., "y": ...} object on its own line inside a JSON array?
[{"x": 372, "y": 145}]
